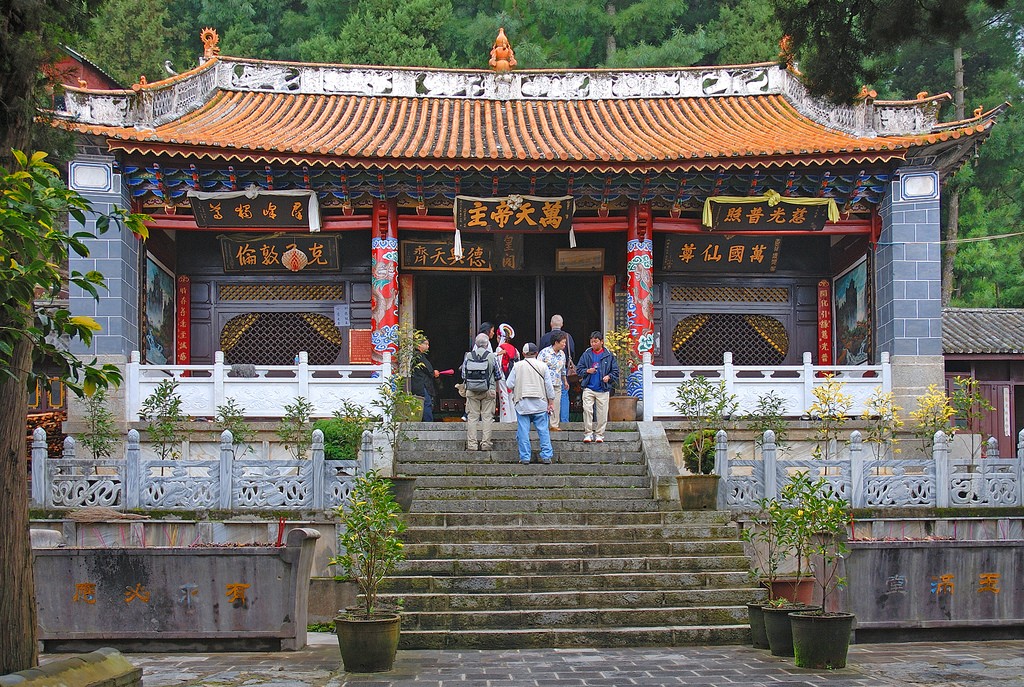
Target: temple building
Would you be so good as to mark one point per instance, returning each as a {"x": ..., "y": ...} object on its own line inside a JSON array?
[{"x": 315, "y": 207}]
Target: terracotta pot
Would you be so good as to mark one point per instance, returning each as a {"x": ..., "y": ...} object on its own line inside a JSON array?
[
  {"x": 821, "y": 641},
  {"x": 368, "y": 645},
  {"x": 622, "y": 408},
  {"x": 698, "y": 492},
  {"x": 778, "y": 629},
  {"x": 798, "y": 592}
]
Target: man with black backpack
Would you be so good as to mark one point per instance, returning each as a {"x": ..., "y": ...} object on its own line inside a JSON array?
[{"x": 481, "y": 375}]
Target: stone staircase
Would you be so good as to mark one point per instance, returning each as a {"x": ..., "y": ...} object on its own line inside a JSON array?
[{"x": 572, "y": 554}]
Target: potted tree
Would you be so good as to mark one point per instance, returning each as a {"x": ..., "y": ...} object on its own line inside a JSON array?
[
  {"x": 704, "y": 405},
  {"x": 621, "y": 344},
  {"x": 821, "y": 638},
  {"x": 768, "y": 546},
  {"x": 369, "y": 548}
]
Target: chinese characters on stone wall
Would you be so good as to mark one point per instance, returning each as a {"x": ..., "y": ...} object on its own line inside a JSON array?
[{"x": 139, "y": 593}]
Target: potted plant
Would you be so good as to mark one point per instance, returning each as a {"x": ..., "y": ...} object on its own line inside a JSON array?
[
  {"x": 390, "y": 401},
  {"x": 821, "y": 638},
  {"x": 704, "y": 405},
  {"x": 795, "y": 522},
  {"x": 768, "y": 546},
  {"x": 621, "y": 344},
  {"x": 369, "y": 548}
]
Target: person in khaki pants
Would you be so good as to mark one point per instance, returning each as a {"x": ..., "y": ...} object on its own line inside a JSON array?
[
  {"x": 480, "y": 403},
  {"x": 555, "y": 358},
  {"x": 599, "y": 373}
]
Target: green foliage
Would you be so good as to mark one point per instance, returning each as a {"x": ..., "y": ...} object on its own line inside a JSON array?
[
  {"x": 699, "y": 452},
  {"x": 369, "y": 547},
  {"x": 161, "y": 410},
  {"x": 344, "y": 432},
  {"x": 295, "y": 429},
  {"x": 769, "y": 541},
  {"x": 705, "y": 406},
  {"x": 933, "y": 414},
  {"x": 101, "y": 435},
  {"x": 883, "y": 418},
  {"x": 622, "y": 345},
  {"x": 129, "y": 38},
  {"x": 768, "y": 414},
  {"x": 829, "y": 414},
  {"x": 231, "y": 417},
  {"x": 394, "y": 404}
]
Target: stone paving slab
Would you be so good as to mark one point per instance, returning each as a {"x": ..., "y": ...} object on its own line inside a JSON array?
[{"x": 949, "y": 664}]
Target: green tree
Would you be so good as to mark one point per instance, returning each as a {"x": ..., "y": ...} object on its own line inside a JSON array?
[
  {"x": 126, "y": 56},
  {"x": 33, "y": 247}
]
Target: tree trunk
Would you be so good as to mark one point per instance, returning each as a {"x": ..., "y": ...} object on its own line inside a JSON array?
[
  {"x": 610, "y": 46},
  {"x": 17, "y": 591},
  {"x": 953, "y": 218}
]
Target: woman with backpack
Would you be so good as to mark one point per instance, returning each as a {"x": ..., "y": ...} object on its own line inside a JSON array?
[{"x": 508, "y": 355}]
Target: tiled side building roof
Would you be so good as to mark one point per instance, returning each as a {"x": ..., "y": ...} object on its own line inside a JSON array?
[
  {"x": 982, "y": 330},
  {"x": 752, "y": 116}
]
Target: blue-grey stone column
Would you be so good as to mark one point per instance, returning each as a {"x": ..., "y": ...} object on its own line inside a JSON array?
[
  {"x": 908, "y": 279},
  {"x": 115, "y": 254}
]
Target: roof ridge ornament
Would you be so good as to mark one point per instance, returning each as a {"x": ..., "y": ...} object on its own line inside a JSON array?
[
  {"x": 210, "y": 42},
  {"x": 503, "y": 58}
]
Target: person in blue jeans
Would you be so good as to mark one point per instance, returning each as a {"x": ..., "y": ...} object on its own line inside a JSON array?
[
  {"x": 534, "y": 400},
  {"x": 570, "y": 351}
]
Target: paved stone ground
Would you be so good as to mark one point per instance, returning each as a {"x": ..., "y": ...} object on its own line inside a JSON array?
[{"x": 950, "y": 664}]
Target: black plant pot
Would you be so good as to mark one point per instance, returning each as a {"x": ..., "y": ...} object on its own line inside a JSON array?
[
  {"x": 368, "y": 645},
  {"x": 758, "y": 636},
  {"x": 778, "y": 629},
  {"x": 821, "y": 641}
]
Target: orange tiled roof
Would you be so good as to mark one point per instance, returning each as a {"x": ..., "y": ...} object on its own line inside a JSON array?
[{"x": 260, "y": 119}]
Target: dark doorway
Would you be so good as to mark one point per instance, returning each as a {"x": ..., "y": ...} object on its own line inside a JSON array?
[
  {"x": 442, "y": 313},
  {"x": 512, "y": 300},
  {"x": 578, "y": 300}
]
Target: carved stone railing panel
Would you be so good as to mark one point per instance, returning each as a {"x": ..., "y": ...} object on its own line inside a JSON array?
[
  {"x": 180, "y": 484},
  {"x": 271, "y": 484},
  {"x": 80, "y": 483}
]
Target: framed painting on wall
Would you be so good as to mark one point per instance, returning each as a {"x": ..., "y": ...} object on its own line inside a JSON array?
[
  {"x": 851, "y": 297},
  {"x": 158, "y": 314}
]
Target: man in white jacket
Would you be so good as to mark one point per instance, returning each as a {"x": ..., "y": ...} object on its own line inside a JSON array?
[{"x": 534, "y": 398}]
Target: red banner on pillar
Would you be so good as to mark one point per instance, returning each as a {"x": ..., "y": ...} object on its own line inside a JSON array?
[
  {"x": 183, "y": 338},
  {"x": 824, "y": 323}
]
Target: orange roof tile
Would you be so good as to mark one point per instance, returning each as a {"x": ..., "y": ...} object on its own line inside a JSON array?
[{"x": 253, "y": 121}]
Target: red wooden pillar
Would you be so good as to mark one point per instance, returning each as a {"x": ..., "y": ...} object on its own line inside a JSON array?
[
  {"x": 384, "y": 277},
  {"x": 640, "y": 278}
]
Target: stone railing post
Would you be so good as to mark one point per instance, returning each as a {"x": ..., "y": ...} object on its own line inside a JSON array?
[
  {"x": 722, "y": 466},
  {"x": 856, "y": 470},
  {"x": 303, "y": 375},
  {"x": 385, "y": 366},
  {"x": 318, "y": 469},
  {"x": 40, "y": 488},
  {"x": 132, "y": 471},
  {"x": 366, "y": 450},
  {"x": 768, "y": 465},
  {"x": 728, "y": 372},
  {"x": 131, "y": 387},
  {"x": 808, "y": 374},
  {"x": 69, "y": 448},
  {"x": 886, "y": 372},
  {"x": 226, "y": 488},
  {"x": 992, "y": 448},
  {"x": 940, "y": 455},
  {"x": 219, "y": 373}
]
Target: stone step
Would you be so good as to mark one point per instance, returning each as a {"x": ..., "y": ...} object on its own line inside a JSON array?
[
  {"x": 549, "y": 637},
  {"x": 516, "y": 505},
  {"x": 573, "y": 566},
  {"x": 510, "y": 466},
  {"x": 568, "y": 549},
  {"x": 526, "y": 491},
  {"x": 641, "y": 533},
  {"x": 419, "y": 430},
  {"x": 574, "y": 451},
  {"x": 565, "y": 520},
  {"x": 573, "y": 617},
  {"x": 571, "y": 600},
  {"x": 444, "y": 584},
  {"x": 540, "y": 479}
]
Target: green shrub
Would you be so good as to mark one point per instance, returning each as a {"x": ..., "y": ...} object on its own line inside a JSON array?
[
  {"x": 700, "y": 445},
  {"x": 343, "y": 433}
]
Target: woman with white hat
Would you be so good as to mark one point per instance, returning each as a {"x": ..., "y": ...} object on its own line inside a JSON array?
[{"x": 508, "y": 355}]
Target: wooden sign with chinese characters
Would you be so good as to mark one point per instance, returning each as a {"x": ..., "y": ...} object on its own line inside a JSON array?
[
  {"x": 722, "y": 254},
  {"x": 761, "y": 217},
  {"x": 183, "y": 339},
  {"x": 504, "y": 254},
  {"x": 280, "y": 253},
  {"x": 263, "y": 211},
  {"x": 824, "y": 322},
  {"x": 514, "y": 213}
]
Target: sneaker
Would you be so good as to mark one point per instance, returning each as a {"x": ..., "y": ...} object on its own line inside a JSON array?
[
  {"x": 486, "y": 447},
  {"x": 587, "y": 439},
  {"x": 524, "y": 462},
  {"x": 599, "y": 439},
  {"x": 546, "y": 462},
  {"x": 472, "y": 447}
]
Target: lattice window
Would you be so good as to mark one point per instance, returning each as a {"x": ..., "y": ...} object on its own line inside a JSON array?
[
  {"x": 274, "y": 338},
  {"x": 753, "y": 339},
  {"x": 282, "y": 292},
  {"x": 729, "y": 294}
]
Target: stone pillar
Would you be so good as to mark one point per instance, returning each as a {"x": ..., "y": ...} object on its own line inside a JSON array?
[
  {"x": 639, "y": 286},
  {"x": 384, "y": 277},
  {"x": 115, "y": 254},
  {"x": 909, "y": 283}
]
